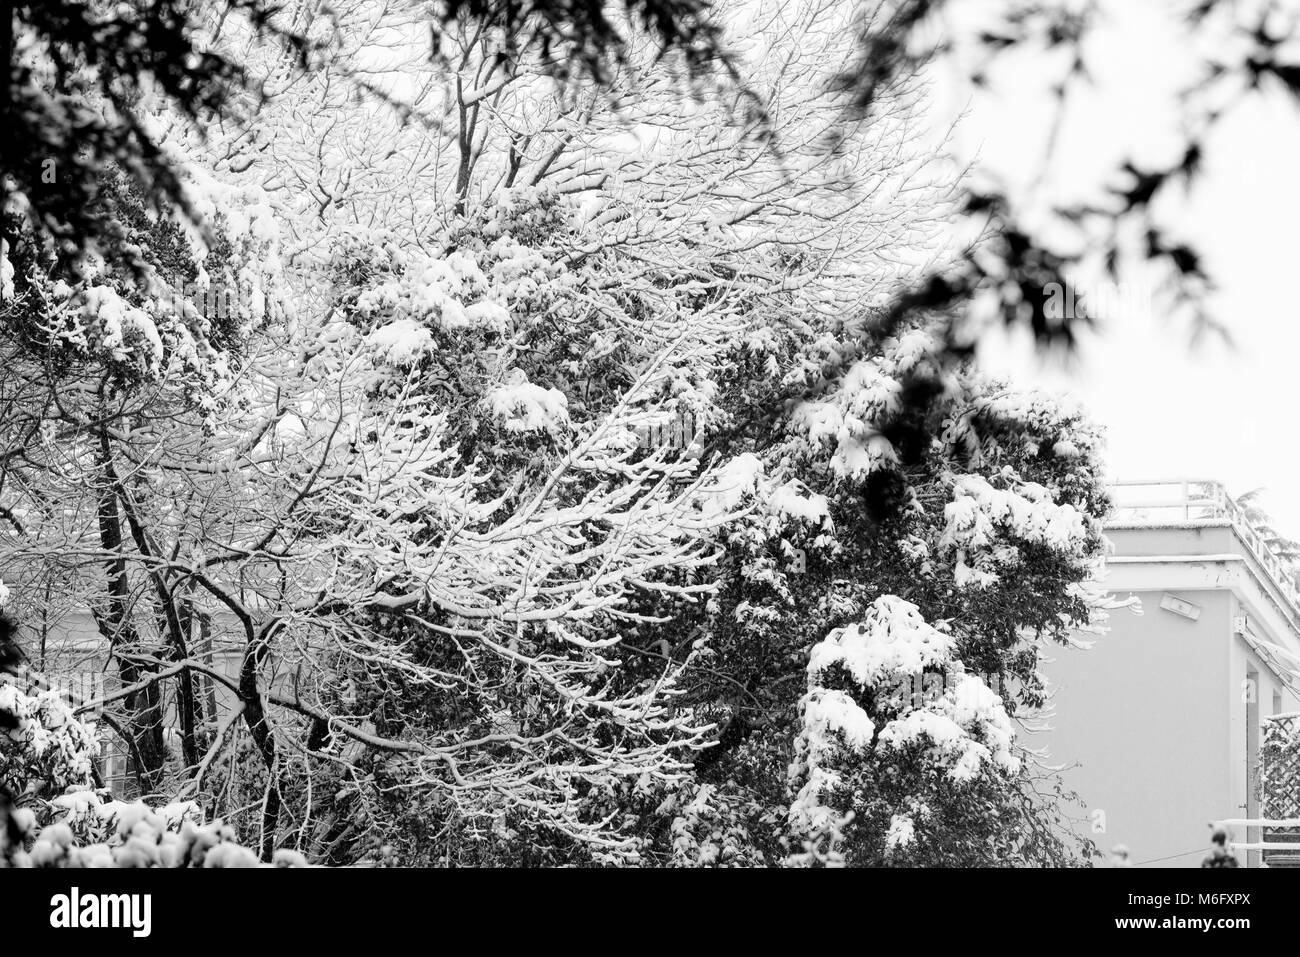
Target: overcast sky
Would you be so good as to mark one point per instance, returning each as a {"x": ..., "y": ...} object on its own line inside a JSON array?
[{"x": 1171, "y": 408}]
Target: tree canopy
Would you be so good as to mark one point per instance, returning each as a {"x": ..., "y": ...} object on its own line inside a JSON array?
[{"x": 552, "y": 445}]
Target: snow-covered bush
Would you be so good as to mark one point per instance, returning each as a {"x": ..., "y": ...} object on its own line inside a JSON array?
[
  {"x": 43, "y": 746},
  {"x": 873, "y": 725},
  {"x": 90, "y": 832}
]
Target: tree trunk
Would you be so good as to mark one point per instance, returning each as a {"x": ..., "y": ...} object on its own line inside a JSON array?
[{"x": 144, "y": 707}]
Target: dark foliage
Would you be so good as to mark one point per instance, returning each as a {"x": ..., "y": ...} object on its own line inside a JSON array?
[
  {"x": 581, "y": 36},
  {"x": 69, "y": 108},
  {"x": 10, "y": 654}
]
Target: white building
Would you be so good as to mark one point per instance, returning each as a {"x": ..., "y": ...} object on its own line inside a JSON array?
[{"x": 1159, "y": 722}]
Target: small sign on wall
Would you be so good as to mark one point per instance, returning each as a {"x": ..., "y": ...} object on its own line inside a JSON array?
[{"x": 1180, "y": 607}]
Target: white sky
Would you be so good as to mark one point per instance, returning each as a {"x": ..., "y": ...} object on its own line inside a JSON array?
[{"x": 1171, "y": 409}]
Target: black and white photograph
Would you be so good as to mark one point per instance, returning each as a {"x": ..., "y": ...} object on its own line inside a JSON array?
[{"x": 445, "y": 440}]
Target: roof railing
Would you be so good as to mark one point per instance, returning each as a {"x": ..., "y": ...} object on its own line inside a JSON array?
[{"x": 1162, "y": 501}]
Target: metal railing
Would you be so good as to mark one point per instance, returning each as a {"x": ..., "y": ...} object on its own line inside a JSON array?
[
  {"x": 1283, "y": 828},
  {"x": 1276, "y": 832},
  {"x": 1190, "y": 501}
]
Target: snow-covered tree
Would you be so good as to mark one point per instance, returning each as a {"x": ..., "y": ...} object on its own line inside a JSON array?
[
  {"x": 865, "y": 732},
  {"x": 101, "y": 363},
  {"x": 980, "y": 513},
  {"x": 527, "y": 458}
]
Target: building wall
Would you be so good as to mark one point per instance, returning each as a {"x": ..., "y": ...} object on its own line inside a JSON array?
[
  {"x": 1155, "y": 724},
  {"x": 1175, "y": 539},
  {"x": 1141, "y": 720}
]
